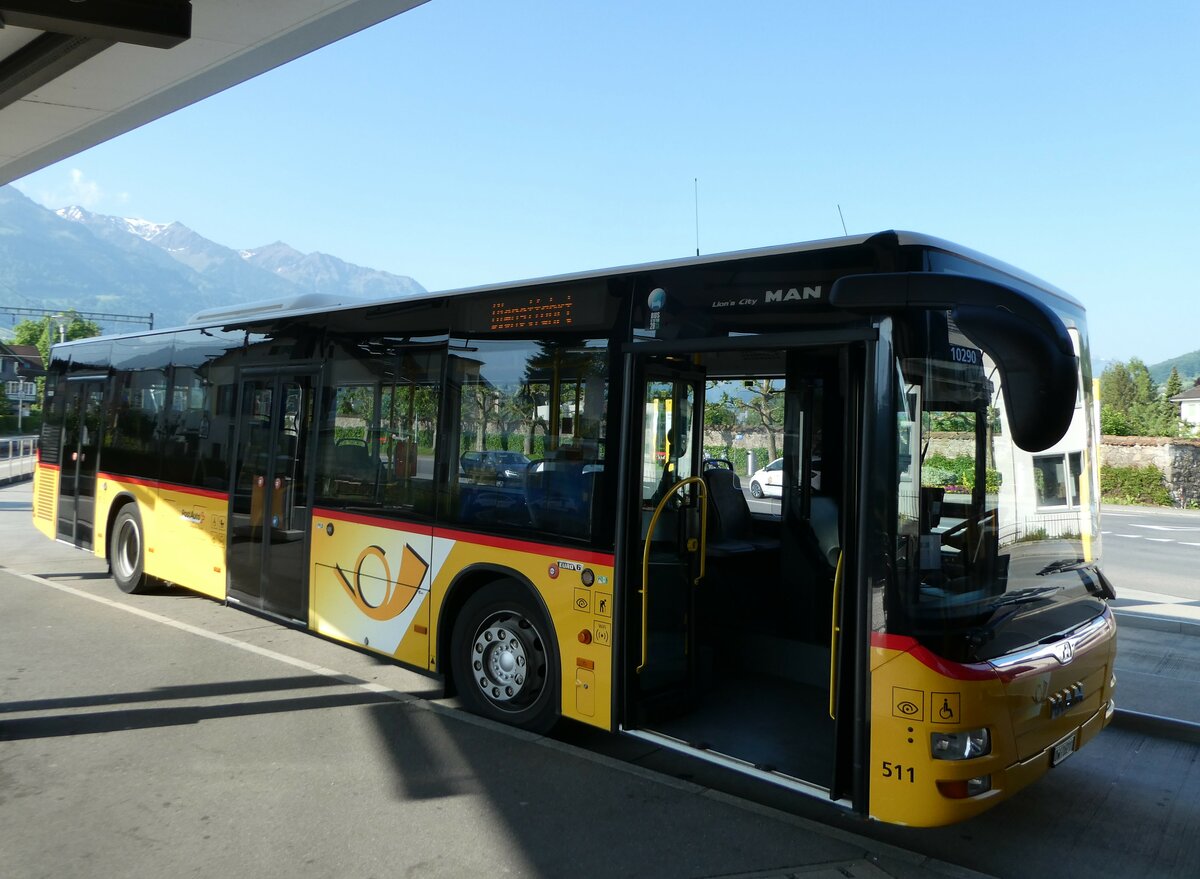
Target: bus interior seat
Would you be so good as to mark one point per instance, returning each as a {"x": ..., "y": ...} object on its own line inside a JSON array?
[
  {"x": 810, "y": 560},
  {"x": 730, "y": 525},
  {"x": 352, "y": 459},
  {"x": 560, "y": 499}
]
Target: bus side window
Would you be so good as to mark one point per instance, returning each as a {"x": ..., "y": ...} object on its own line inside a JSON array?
[
  {"x": 378, "y": 428},
  {"x": 528, "y": 443}
]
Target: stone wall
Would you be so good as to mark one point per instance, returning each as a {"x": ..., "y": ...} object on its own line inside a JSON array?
[{"x": 1178, "y": 459}]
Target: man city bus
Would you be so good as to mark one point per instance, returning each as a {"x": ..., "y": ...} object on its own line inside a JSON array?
[{"x": 913, "y": 623}]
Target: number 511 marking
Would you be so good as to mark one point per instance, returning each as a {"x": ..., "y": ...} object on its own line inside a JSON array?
[{"x": 899, "y": 772}]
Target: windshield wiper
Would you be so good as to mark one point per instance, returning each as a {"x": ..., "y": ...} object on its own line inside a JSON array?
[
  {"x": 980, "y": 635},
  {"x": 1024, "y": 596},
  {"x": 1062, "y": 566}
]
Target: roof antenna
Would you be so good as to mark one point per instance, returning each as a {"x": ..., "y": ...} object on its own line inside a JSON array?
[
  {"x": 696, "y": 185},
  {"x": 843, "y": 219}
]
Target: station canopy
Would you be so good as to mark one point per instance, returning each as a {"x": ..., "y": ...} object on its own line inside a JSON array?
[{"x": 75, "y": 73}]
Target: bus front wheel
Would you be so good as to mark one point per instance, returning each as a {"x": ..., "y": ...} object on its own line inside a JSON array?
[
  {"x": 126, "y": 551},
  {"x": 504, "y": 663}
]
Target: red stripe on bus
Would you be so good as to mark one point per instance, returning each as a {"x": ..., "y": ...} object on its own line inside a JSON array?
[
  {"x": 377, "y": 521},
  {"x": 55, "y": 467},
  {"x": 568, "y": 553},
  {"x": 166, "y": 486},
  {"x": 957, "y": 670},
  {"x": 191, "y": 489}
]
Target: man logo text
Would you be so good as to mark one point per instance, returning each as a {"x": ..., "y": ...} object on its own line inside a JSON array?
[{"x": 793, "y": 294}]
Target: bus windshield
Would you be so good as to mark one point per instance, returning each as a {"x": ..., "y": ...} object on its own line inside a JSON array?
[{"x": 996, "y": 547}]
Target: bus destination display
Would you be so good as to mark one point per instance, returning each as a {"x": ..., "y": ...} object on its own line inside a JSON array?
[{"x": 545, "y": 311}]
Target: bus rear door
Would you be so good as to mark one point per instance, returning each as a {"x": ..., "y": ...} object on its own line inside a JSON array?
[{"x": 82, "y": 419}]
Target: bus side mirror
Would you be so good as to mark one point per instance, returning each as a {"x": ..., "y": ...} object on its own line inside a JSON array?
[
  {"x": 1027, "y": 340},
  {"x": 1038, "y": 378}
]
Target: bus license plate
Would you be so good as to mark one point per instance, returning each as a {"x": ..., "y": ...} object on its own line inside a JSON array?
[{"x": 1063, "y": 750}]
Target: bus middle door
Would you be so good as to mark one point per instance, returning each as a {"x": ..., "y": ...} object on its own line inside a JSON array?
[{"x": 270, "y": 504}]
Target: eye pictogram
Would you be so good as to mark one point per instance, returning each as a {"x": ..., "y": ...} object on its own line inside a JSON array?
[{"x": 907, "y": 708}]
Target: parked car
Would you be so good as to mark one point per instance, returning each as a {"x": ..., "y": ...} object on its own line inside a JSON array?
[
  {"x": 494, "y": 467},
  {"x": 768, "y": 481}
]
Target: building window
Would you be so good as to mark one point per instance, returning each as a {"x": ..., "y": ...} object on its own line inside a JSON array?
[{"x": 1057, "y": 479}]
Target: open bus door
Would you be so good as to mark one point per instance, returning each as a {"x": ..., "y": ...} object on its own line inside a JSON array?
[{"x": 744, "y": 639}]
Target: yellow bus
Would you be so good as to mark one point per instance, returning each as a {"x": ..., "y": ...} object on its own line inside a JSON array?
[{"x": 509, "y": 488}]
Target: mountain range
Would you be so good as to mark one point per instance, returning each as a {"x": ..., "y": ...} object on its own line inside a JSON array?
[
  {"x": 73, "y": 258},
  {"x": 1187, "y": 364}
]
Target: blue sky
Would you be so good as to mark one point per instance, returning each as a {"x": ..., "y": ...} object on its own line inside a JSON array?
[{"x": 472, "y": 141}]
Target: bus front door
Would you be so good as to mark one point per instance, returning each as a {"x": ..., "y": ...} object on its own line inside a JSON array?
[
  {"x": 743, "y": 644},
  {"x": 668, "y": 558},
  {"x": 270, "y": 496},
  {"x": 82, "y": 422}
]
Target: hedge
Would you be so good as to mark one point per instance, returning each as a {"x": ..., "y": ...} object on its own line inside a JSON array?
[{"x": 1134, "y": 485}]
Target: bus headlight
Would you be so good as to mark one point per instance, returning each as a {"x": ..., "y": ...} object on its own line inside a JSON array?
[{"x": 960, "y": 745}]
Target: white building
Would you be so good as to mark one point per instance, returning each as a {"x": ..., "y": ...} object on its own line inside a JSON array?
[{"x": 1189, "y": 405}]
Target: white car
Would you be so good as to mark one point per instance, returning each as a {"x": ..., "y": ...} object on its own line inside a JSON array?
[{"x": 768, "y": 482}]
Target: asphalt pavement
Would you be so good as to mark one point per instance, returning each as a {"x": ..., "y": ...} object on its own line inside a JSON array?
[{"x": 165, "y": 734}]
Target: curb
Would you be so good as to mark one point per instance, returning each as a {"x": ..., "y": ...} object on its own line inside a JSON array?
[
  {"x": 1156, "y": 725},
  {"x": 1173, "y": 625},
  {"x": 1132, "y": 509}
]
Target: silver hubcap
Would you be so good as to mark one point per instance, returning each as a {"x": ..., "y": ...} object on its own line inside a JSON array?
[
  {"x": 507, "y": 660},
  {"x": 129, "y": 549}
]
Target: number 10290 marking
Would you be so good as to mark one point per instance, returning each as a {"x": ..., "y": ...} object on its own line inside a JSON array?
[{"x": 899, "y": 771}]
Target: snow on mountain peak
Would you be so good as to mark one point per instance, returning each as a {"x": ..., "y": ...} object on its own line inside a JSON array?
[
  {"x": 134, "y": 225},
  {"x": 143, "y": 228},
  {"x": 74, "y": 212}
]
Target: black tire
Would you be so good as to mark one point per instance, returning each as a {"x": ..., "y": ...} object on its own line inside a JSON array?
[
  {"x": 127, "y": 551},
  {"x": 504, "y": 659},
  {"x": 755, "y": 488}
]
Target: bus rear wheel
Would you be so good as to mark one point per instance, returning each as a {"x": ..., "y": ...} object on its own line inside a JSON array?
[
  {"x": 504, "y": 658},
  {"x": 127, "y": 552}
]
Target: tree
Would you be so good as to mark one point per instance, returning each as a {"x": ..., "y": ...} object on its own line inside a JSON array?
[
  {"x": 1132, "y": 406},
  {"x": 1116, "y": 387},
  {"x": 762, "y": 404},
  {"x": 1174, "y": 384},
  {"x": 1145, "y": 390},
  {"x": 42, "y": 334},
  {"x": 45, "y": 332}
]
